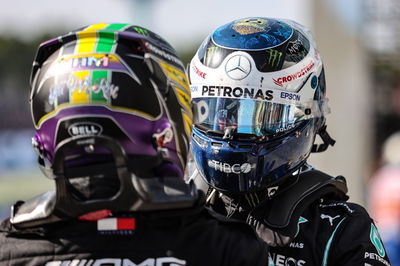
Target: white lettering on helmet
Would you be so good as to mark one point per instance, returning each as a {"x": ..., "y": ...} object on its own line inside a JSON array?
[
  {"x": 227, "y": 168},
  {"x": 85, "y": 85},
  {"x": 85, "y": 129},
  {"x": 282, "y": 129},
  {"x": 237, "y": 92}
]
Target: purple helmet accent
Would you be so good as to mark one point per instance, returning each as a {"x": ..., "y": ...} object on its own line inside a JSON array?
[{"x": 115, "y": 80}]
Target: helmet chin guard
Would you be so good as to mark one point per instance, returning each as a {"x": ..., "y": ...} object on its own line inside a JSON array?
[
  {"x": 134, "y": 193},
  {"x": 66, "y": 203}
]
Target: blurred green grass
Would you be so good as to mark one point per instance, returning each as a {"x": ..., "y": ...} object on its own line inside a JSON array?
[{"x": 22, "y": 185}]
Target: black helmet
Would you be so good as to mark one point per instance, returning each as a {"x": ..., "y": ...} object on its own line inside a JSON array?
[{"x": 111, "y": 108}]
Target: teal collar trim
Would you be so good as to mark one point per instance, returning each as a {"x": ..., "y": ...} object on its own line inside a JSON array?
[{"x": 329, "y": 243}]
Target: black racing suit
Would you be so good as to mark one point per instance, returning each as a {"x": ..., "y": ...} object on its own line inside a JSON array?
[
  {"x": 328, "y": 231},
  {"x": 333, "y": 233},
  {"x": 190, "y": 236}
]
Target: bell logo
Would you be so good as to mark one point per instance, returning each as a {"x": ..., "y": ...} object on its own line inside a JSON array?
[{"x": 85, "y": 129}]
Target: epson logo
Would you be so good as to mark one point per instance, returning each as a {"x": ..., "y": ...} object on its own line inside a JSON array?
[
  {"x": 85, "y": 129},
  {"x": 163, "y": 261},
  {"x": 227, "y": 168}
]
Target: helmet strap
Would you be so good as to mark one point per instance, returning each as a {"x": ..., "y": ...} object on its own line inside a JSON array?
[
  {"x": 326, "y": 139},
  {"x": 44, "y": 168}
]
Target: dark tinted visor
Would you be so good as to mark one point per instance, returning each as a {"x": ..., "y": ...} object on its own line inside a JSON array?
[
  {"x": 246, "y": 116},
  {"x": 97, "y": 79}
]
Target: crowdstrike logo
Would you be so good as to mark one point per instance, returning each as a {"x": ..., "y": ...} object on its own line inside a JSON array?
[
  {"x": 199, "y": 72},
  {"x": 297, "y": 75},
  {"x": 227, "y": 168},
  {"x": 238, "y": 67}
]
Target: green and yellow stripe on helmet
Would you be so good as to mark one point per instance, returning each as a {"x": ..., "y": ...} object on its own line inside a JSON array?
[{"x": 98, "y": 38}]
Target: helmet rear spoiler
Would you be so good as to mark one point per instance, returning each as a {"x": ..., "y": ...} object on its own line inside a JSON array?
[{"x": 134, "y": 194}]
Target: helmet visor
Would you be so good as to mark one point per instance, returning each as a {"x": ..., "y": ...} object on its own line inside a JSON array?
[
  {"x": 246, "y": 116},
  {"x": 93, "y": 79}
]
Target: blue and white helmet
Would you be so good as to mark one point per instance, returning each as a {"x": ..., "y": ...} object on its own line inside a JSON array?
[{"x": 258, "y": 89}]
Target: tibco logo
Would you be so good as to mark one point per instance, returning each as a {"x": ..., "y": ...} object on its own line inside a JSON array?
[{"x": 227, "y": 168}]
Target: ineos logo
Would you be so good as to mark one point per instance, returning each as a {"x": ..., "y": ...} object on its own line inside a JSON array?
[
  {"x": 85, "y": 129},
  {"x": 238, "y": 67}
]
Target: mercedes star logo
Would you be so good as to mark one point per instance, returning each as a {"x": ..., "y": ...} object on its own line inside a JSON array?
[{"x": 238, "y": 67}]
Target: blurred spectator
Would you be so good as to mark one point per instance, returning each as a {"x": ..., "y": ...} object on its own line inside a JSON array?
[{"x": 385, "y": 197}]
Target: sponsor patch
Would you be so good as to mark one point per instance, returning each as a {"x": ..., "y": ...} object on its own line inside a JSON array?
[
  {"x": 330, "y": 218},
  {"x": 85, "y": 129},
  {"x": 272, "y": 190},
  {"x": 199, "y": 72},
  {"x": 238, "y": 67},
  {"x": 227, "y": 168},
  {"x": 164, "y": 137},
  {"x": 314, "y": 82},
  {"x": 279, "y": 259},
  {"x": 237, "y": 92},
  {"x": 295, "y": 47},
  {"x": 82, "y": 86},
  {"x": 374, "y": 256},
  {"x": 338, "y": 204},
  {"x": 296, "y": 245},
  {"x": 116, "y": 224},
  {"x": 87, "y": 61},
  {"x": 376, "y": 240},
  {"x": 281, "y": 80},
  {"x": 254, "y": 93},
  {"x": 162, "y": 53},
  {"x": 274, "y": 57}
]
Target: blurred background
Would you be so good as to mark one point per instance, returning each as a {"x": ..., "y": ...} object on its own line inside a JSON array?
[{"x": 358, "y": 40}]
